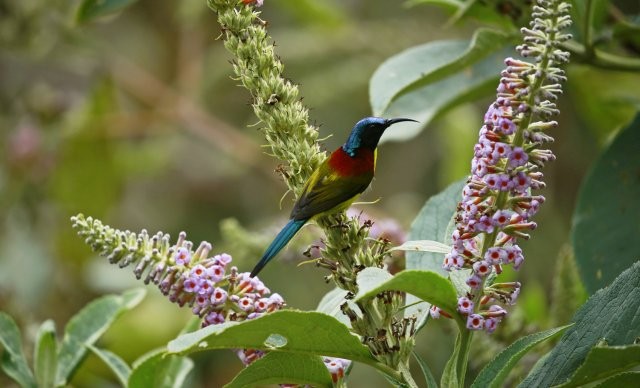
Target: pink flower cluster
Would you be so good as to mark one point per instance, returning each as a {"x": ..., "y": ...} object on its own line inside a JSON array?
[
  {"x": 203, "y": 286},
  {"x": 497, "y": 202}
]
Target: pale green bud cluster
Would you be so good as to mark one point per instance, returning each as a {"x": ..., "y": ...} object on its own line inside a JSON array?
[{"x": 276, "y": 101}]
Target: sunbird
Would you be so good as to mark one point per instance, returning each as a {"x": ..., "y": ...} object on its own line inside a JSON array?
[{"x": 336, "y": 183}]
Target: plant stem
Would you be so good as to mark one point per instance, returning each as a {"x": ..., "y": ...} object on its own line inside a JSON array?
[
  {"x": 406, "y": 375},
  {"x": 588, "y": 30},
  {"x": 387, "y": 370},
  {"x": 293, "y": 141}
]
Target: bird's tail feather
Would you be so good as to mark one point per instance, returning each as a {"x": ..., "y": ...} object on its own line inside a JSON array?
[{"x": 286, "y": 234}]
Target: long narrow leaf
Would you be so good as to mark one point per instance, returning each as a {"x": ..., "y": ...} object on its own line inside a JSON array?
[
  {"x": 13, "y": 362},
  {"x": 426, "y": 371},
  {"x": 117, "y": 365},
  {"x": 87, "y": 326},
  {"x": 45, "y": 358},
  {"x": 496, "y": 371}
]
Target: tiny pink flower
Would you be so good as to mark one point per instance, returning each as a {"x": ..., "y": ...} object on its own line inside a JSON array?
[
  {"x": 198, "y": 271},
  {"x": 474, "y": 281},
  {"x": 261, "y": 304},
  {"x": 482, "y": 268},
  {"x": 495, "y": 255},
  {"x": 222, "y": 259},
  {"x": 465, "y": 305},
  {"x": 182, "y": 256},
  {"x": 475, "y": 322},
  {"x": 518, "y": 157},
  {"x": 245, "y": 303},
  {"x": 215, "y": 273},
  {"x": 502, "y": 218},
  {"x": 214, "y": 318},
  {"x": 490, "y": 324},
  {"x": 218, "y": 296},
  {"x": 191, "y": 285}
]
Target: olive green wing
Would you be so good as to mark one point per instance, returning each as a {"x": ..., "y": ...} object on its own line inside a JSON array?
[{"x": 326, "y": 192}]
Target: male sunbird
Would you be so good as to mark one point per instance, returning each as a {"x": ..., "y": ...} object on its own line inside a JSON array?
[{"x": 336, "y": 183}]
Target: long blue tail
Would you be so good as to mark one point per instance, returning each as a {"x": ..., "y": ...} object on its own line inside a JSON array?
[{"x": 286, "y": 234}]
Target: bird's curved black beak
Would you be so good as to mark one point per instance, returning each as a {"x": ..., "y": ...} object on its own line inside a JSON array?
[{"x": 398, "y": 120}]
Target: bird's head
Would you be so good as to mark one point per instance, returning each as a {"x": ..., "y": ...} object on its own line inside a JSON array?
[{"x": 367, "y": 132}]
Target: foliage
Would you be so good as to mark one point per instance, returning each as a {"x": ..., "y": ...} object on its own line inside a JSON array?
[
  {"x": 55, "y": 363},
  {"x": 612, "y": 185},
  {"x": 128, "y": 114}
]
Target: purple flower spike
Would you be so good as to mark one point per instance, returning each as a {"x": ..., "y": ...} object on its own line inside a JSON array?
[{"x": 497, "y": 202}]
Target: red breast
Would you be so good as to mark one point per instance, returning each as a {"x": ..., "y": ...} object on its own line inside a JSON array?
[{"x": 343, "y": 164}]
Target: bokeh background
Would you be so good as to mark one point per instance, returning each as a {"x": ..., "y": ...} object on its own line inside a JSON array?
[{"x": 134, "y": 119}]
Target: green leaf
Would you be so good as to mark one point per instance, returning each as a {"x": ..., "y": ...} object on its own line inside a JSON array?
[
  {"x": 45, "y": 357},
  {"x": 607, "y": 198},
  {"x": 88, "y": 325},
  {"x": 475, "y": 9},
  {"x": 428, "y": 63},
  {"x": 330, "y": 305},
  {"x": 605, "y": 361},
  {"x": 159, "y": 369},
  {"x": 426, "y": 371},
  {"x": 431, "y": 224},
  {"x": 496, "y": 371},
  {"x": 14, "y": 363},
  {"x": 309, "y": 333},
  {"x": 117, "y": 365},
  {"x": 612, "y": 314},
  {"x": 284, "y": 368},
  {"x": 90, "y": 10},
  {"x": 628, "y": 379},
  {"x": 426, "y": 285},
  {"x": 423, "y": 246},
  {"x": 455, "y": 368},
  {"x": 427, "y": 101}
]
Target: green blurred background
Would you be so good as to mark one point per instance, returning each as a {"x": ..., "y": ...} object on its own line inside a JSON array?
[{"x": 135, "y": 120}]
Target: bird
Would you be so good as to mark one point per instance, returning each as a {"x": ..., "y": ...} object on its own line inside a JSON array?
[{"x": 336, "y": 183}]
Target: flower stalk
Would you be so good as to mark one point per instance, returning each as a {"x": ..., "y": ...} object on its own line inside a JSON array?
[
  {"x": 290, "y": 139},
  {"x": 275, "y": 100},
  {"x": 215, "y": 291}
]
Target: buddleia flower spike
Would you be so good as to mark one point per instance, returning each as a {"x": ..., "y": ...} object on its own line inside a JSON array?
[{"x": 499, "y": 200}]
